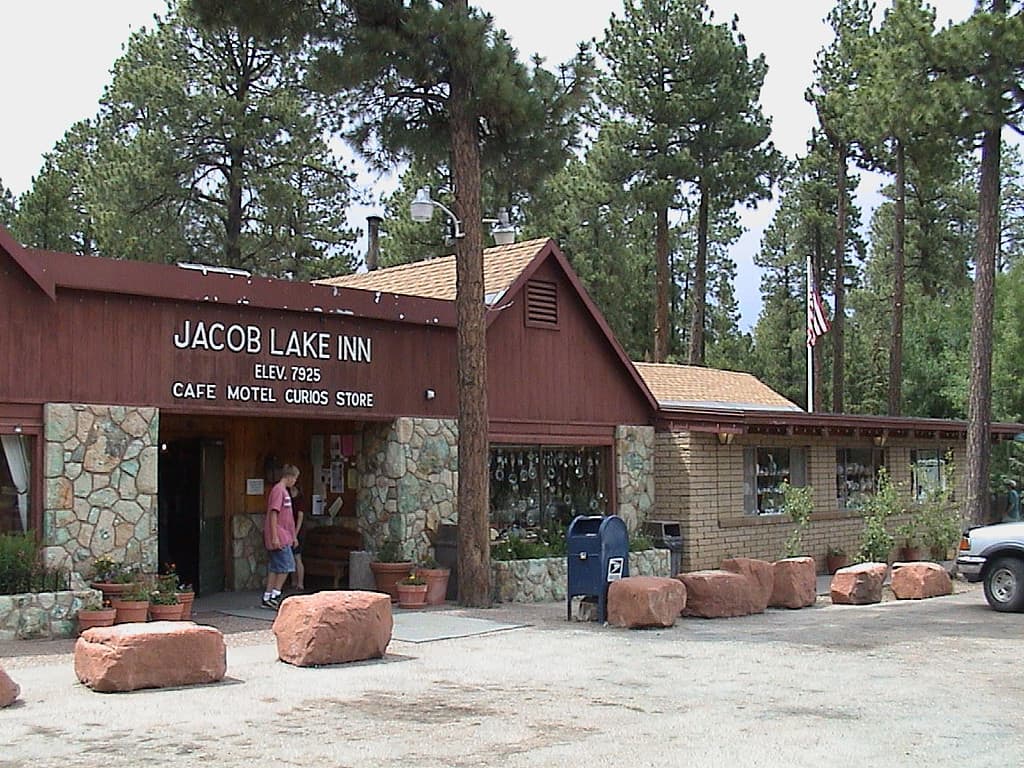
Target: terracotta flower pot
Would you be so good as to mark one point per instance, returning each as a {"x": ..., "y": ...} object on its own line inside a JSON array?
[
  {"x": 387, "y": 575},
  {"x": 130, "y": 610},
  {"x": 186, "y": 599},
  {"x": 437, "y": 583},
  {"x": 911, "y": 554},
  {"x": 110, "y": 589},
  {"x": 104, "y": 617},
  {"x": 412, "y": 595},
  {"x": 165, "y": 612},
  {"x": 834, "y": 562}
]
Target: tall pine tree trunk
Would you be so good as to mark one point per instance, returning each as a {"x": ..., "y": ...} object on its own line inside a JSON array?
[
  {"x": 839, "y": 317},
  {"x": 979, "y": 399},
  {"x": 662, "y": 279},
  {"x": 473, "y": 498},
  {"x": 898, "y": 285},
  {"x": 698, "y": 294}
]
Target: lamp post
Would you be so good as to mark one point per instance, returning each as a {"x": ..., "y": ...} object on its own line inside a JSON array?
[{"x": 421, "y": 210}]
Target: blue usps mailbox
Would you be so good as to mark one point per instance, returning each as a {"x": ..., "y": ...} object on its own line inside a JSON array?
[{"x": 597, "y": 549}]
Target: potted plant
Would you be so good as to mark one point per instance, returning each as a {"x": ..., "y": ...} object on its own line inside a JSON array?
[
  {"x": 909, "y": 534},
  {"x": 94, "y": 613},
  {"x": 437, "y": 580},
  {"x": 110, "y": 577},
  {"x": 186, "y": 594},
  {"x": 389, "y": 566},
  {"x": 163, "y": 600},
  {"x": 412, "y": 591},
  {"x": 836, "y": 558},
  {"x": 133, "y": 604}
]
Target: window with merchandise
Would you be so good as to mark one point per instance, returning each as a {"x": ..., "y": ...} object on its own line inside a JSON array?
[
  {"x": 538, "y": 489},
  {"x": 766, "y": 470}
]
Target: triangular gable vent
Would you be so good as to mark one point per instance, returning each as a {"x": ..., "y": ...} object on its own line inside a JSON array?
[{"x": 542, "y": 304}]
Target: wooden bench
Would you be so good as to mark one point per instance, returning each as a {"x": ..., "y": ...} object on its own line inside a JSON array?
[{"x": 326, "y": 549}]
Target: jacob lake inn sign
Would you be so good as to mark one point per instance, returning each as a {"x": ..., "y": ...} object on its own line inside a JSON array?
[{"x": 295, "y": 377}]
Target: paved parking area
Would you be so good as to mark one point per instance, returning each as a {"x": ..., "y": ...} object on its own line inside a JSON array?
[{"x": 932, "y": 683}]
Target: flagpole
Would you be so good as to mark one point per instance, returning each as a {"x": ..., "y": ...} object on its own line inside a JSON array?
[{"x": 810, "y": 348}]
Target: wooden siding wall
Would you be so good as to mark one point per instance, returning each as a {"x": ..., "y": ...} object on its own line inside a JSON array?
[
  {"x": 567, "y": 378},
  {"x": 699, "y": 484},
  {"x": 111, "y": 348}
]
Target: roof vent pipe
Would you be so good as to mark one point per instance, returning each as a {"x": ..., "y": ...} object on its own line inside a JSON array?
[{"x": 373, "y": 242}]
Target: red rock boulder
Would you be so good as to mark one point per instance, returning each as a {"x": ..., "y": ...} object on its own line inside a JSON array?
[
  {"x": 794, "y": 583},
  {"x": 859, "y": 584},
  {"x": 916, "y": 581},
  {"x": 645, "y": 601},
  {"x": 159, "y": 654},
  {"x": 758, "y": 571},
  {"x": 9, "y": 690},
  {"x": 719, "y": 594},
  {"x": 333, "y": 627}
]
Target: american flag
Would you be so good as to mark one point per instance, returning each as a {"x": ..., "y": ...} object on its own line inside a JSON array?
[{"x": 817, "y": 321}]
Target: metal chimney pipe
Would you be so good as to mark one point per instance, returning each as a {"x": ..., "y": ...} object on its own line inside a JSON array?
[{"x": 373, "y": 242}]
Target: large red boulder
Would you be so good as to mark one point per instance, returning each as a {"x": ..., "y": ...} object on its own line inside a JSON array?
[
  {"x": 794, "y": 583},
  {"x": 719, "y": 594},
  {"x": 645, "y": 601},
  {"x": 916, "y": 581},
  {"x": 758, "y": 571},
  {"x": 159, "y": 654},
  {"x": 9, "y": 690},
  {"x": 333, "y": 627},
  {"x": 859, "y": 584}
]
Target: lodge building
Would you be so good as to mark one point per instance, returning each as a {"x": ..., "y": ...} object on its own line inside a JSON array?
[{"x": 145, "y": 409}]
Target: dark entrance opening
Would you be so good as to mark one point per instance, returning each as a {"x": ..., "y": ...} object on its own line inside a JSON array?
[{"x": 191, "y": 511}]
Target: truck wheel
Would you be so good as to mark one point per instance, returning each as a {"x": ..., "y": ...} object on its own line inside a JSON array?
[{"x": 1004, "y": 584}]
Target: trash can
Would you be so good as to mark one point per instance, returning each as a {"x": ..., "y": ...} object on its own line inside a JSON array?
[
  {"x": 597, "y": 552},
  {"x": 665, "y": 534},
  {"x": 446, "y": 552}
]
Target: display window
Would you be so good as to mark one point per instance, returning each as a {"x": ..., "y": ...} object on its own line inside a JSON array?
[
  {"x": 766, "y": 469},
  {"x": 539, "y": 487},
  {"x": 857, "y": 475}
]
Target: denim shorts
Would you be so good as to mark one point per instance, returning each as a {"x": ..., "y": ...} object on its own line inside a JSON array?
[{"x": 282, "y": 560}]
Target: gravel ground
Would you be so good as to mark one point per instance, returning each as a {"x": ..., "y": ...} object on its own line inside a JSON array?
[{"x": 897, "y": 684}]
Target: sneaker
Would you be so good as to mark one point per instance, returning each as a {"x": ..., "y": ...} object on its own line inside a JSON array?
[{"x": 272, "y": 603}]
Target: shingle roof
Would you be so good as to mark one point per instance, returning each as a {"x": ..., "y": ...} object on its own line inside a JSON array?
[
  {"x": 435, "y": 278},
  {"x": 690, "y": 385}
]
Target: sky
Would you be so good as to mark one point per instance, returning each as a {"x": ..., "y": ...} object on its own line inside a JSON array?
[{"x": 57, "y": 54}]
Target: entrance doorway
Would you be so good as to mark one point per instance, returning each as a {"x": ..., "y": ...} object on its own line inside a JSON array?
[{"x": 191, "y": 508}]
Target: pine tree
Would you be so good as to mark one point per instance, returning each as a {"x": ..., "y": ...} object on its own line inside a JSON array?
[
  {"x": 982, "y": 62},
  {"x": 833, "y": 96},
  {"x": 681, "y": 101}
]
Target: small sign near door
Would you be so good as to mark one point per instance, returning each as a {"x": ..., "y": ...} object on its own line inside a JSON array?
[{"x": 254, "y": 486}]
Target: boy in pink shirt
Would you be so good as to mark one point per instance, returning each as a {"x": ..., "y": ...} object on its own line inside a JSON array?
[{"x": 279, "y": 536}]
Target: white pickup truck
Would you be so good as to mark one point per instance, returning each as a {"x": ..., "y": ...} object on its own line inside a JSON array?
[{"x": 995, "y": 554}]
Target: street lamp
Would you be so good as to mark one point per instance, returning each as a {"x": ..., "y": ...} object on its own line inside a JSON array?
[{"x": 421, "y": 210}]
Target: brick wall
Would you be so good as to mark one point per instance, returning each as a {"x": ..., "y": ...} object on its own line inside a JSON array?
[{"x": 700, "y": 484}]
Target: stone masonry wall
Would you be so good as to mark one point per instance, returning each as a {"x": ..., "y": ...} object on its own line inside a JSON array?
[
  {"x": 42, "y": 615},
  {"x": 408, "y": 482},
  {"x": 634, "y": 474},
  {"x": 545, "y": 579},
  {"x": 100, "y": 473}
]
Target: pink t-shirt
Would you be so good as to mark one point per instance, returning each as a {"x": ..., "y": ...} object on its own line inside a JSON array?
[{"x": 280, "y": 500}]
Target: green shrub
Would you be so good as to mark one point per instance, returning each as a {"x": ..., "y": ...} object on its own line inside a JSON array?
[
  {"x": 20, "y": 570},
  {"x": 514, "y": 548},
  {"x": 639, "y": 542},
  {"x": 798, "y": 503},
  {"x": 876, "y": 540}
]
